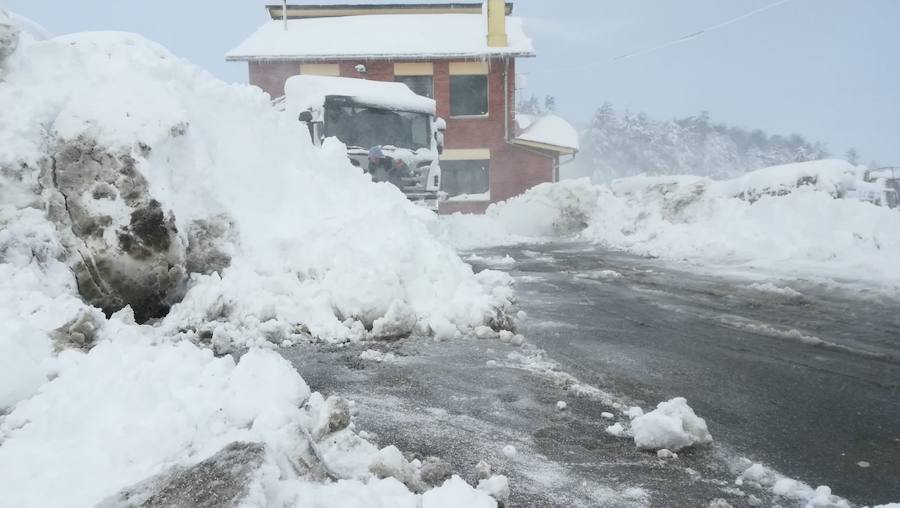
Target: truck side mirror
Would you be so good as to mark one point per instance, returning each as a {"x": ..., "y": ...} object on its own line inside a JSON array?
[
  {"x": 440, "y": 125},
  {"x": 305, "y": 117}
]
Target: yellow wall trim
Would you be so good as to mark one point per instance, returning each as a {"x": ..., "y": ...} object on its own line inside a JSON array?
[
  {"x": 468, "y": 68},
  {"x": 466, "y": 154},
  {"x": 414, "y": 69},
  {"x": 317, "y": 69},
  {"x": 564, "y": 150}
]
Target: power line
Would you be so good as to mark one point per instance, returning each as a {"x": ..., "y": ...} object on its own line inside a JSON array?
[
  {"x": 674, "y": 42},
  {"x": 697, "y": 34}
]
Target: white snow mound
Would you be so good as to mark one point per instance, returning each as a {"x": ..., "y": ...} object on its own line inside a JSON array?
[
  {"x": 321, "y": 248},
  {"x": 91, "y": 405},
  {"x": 797, "y": 219},
  {"x": 673, "y": 425}
]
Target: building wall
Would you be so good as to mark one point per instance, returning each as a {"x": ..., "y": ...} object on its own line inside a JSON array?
[{"x": 513, "y": 170}]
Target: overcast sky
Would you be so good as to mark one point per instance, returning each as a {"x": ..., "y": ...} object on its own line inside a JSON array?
[{"x": 827, "y": 69}]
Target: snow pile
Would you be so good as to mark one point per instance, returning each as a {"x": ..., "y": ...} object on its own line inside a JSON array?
[
  {"x": 319, "y": 249},
  {"x": 547, "y": 211},
  {"x": 782, "y": 219},
  {"x": 134, "y": 407},
  {"x": 96, "y": 408},
  {"x": 673, "y": 425}
]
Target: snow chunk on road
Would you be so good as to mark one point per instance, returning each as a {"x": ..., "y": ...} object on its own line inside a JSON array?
[
  {"x": 510, "y": 451},
  {"x": 616, "y": 429},
  {"x": 789, "y": 488},
  {"x": 496, "y": 486},
  {"x": 371, "y": 355},
  {"x": 455, "y": 493},
  {"x": 672, "y": 425}
]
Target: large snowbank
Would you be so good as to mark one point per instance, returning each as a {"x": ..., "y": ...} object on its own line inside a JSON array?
[
  {"x": 320, "y": 247},
  {"x": 91, "y": 405},
  {"x": 787, "y": 219}
]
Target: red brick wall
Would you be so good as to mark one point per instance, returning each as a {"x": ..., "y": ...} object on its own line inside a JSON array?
[
  {"x": 513, "y": 169},
  {"x": 270, "y": 76}
]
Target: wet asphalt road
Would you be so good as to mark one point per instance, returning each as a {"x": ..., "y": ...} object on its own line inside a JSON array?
[{"x": 807, "y": 382}]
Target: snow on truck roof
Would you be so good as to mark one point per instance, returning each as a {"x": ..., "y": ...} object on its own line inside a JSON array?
[
  {"x": 395, "y": 36},
  {"x": 303, "y": 92}
]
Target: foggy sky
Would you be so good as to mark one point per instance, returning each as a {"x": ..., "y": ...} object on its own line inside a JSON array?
[{"x": 826, "y": 69}]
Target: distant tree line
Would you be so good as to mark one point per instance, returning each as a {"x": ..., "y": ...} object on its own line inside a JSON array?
[{"x": 618, "y": 145}]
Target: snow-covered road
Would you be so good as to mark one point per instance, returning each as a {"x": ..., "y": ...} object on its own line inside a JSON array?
[{"x": 800, "y": 376}]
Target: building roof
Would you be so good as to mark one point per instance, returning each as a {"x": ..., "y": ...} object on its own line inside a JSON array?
[
  {"x": 547, "y": 132},
  {"x": 324, "y": 11},
  {"x": 304, "y": 92},
  {"x": 387, "y": 36}
]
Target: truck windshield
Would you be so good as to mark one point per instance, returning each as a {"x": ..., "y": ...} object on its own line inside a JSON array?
[{"x": 367, "y": 127}]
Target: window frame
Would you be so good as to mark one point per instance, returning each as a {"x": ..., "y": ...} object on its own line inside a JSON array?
[
  {"x": 487, "y": 92},
  {"x": 446, "y": 167},
  {"x": 400, "y": 78}
]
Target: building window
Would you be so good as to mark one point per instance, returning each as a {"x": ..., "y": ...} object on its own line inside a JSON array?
[
  {"x": 466, "y": 177},
  {"x": 469, "y": 95},
  {"x": 421, "y": 85}
]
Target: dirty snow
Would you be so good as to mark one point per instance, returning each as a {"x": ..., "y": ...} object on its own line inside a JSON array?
[{"x": 89, "y": 404}]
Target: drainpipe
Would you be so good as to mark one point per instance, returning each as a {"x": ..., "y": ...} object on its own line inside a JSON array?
[
  {"x": 284, "y": 13},
  {"x": 506, "y": 99}
]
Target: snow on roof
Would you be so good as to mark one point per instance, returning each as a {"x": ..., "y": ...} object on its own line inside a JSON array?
[
  {"x": 304, "y": 92},
  {"x": 396, "y": 36},
  {"x": 547, "y": 130}
]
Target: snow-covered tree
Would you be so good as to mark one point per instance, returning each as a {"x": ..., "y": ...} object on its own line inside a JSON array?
[{"x": 632, "y": 143}]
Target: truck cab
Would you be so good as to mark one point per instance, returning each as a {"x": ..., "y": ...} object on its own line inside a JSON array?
[{"x": 390, "y": 132}]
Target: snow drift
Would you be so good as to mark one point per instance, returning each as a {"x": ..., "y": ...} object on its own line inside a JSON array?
[
  {"x": 210, "y": 170},
  {"x": 797, "y": 219},
  {"x": 126, "y": 168}
]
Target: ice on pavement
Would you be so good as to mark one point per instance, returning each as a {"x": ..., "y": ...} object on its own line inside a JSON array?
[
  {"x": 760, "y": 476},
  {"x": 798, "y": 218},
  {"x": 672, "y": 425},
  {"x": 90, "y": 404}
]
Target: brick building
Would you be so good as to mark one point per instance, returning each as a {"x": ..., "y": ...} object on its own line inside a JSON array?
[{"x": 461, "y": 54}]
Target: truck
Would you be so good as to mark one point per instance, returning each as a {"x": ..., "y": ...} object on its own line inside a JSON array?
[
  {"x": 883, "y": 187},
  {"x": 390, "y": 132}
]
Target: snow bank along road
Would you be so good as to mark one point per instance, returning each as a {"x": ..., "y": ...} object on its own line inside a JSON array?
[{"x": 801, "y": 377}]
